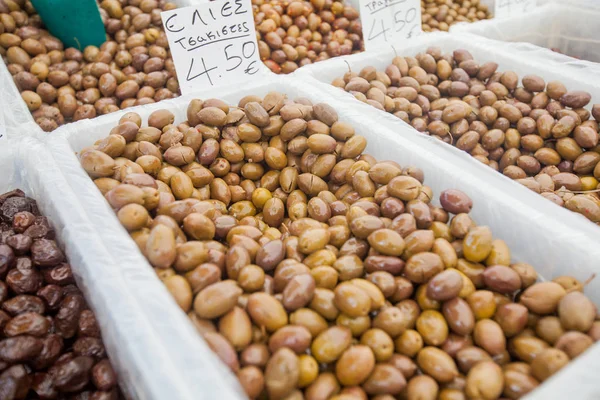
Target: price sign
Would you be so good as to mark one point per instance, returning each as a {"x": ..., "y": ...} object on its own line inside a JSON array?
[
  {"x": 386, "y": 21},
  {"x": 212, "y": 43},
  {"x": 511, "y": 8}
]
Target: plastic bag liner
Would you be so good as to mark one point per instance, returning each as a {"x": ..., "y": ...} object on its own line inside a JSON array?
[
  {"x": 509, "y": 56},
  {"x": 571, "y": 29},
  {"x": 552, "y": 247},
  {"x": 18, "y": 118},
  {"x": 141, "y": 356}
]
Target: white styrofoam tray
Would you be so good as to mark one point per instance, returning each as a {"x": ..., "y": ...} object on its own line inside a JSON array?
[
  {"x": 552, "y": 247},
  {"x": 573, "y": 30},
  {"x": 147, "y": 361},
  {"x": 509, "y": 56}
]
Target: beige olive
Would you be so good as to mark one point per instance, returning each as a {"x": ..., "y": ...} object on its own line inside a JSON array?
[
  {"x": 527, "y": 348},
  {"x": 422, "y": 387},
  {"x": 329, "y": 345},
  {"x": 180, "y": 289},
  {"x": 485, "y": 381},
  {"x": 547, "y": 363},
  {"x": 573, "y": 343},
  {"x": 133, "y": 216},
  {"x": 265, "y": 310},
  {"x": 160, "y": 247},
  {"x": 355, "y": 365},
  {"x": 295, "y": 337},
  {"x": 310, "y": 319},
  {"x": 252, "y": 380},
  {"x": 543, "y": 298},
  {"x": 352, "y": 300},
  {"x": 282, "y": 373},
  {"x": 477, "y": 244},
  {"x": 298, "y": 292},
  {"x": 518, "y": 384},
  {"x": 217, "y": 299},
  {"x": 309, "y": 370},
  {"x": 445, "y": 286},
  {"x": 374, "y": 293},
  {"x": 437, "y": 364},
  {"x": 576, "y": 312},
  {"x": 385, "y": 380},
  {"x": 489, "y": 336},
  {"x": 237, "y": 328},
  {"x": 380, "y": 343},
  {"x": 97, "y": 164},
  {"x": 387, "y": 241},
  {"x": 223, "y": 349},
  {"x": 433, "y": 327}
]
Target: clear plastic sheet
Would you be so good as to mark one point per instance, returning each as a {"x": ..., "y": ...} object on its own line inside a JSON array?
[
  {"x": 571, "y": 29},
  {"x": 509, "y": 56},
  {"x": 551, "y": 246},
  {"x": 142, "y": 356}
]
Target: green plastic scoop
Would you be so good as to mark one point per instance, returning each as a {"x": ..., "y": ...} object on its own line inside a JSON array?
[{"x": 76, "y": 23}]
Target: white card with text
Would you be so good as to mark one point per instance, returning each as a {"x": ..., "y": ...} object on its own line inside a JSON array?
[
  {"x": 512, "y": 8},
  {"x": 387, "y": 21},
  {"x": 213, "y": 44}
]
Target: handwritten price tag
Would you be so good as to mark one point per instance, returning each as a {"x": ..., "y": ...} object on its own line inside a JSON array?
[
  {"x": 212, "y": 43},
  {"x": 384, "y": 21},
  {"x": 511, "y": 8}
]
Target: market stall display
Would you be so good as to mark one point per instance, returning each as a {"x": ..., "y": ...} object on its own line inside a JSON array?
[
  {"x": 246, "y": 274},
  {"x": 323, "y": 230},
  {"x": 384, "y": 144}
]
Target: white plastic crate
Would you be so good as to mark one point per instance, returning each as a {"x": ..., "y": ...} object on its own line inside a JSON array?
[
  {"x": 18, "y": 118},
  {"x": 148, "y": 363},
  {"x": 552, "y": 247},
  {"x": 570, "y": 28},
  {"x": 509, "y": 56}
]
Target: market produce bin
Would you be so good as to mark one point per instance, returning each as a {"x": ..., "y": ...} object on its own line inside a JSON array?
[
  {"x": 17, "y": 115},
  {"x": 508, "y": 56},
  {"x": 570, "y": 29},
  {"x": 155, "y": 355},
  {"x": 553, "y": 247}
]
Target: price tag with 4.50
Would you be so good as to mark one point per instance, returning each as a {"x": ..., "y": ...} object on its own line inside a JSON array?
[
  {"x": 386, "y": 21},
  {"x": 512, "y": 8},
  {"x": 213, "y": 43}
]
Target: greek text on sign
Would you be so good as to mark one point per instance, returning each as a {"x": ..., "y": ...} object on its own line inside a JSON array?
[
  {"x": 386, "y": 21},
  {"x": 212, "y": 44},
  {"x": 511, "y": 8}
]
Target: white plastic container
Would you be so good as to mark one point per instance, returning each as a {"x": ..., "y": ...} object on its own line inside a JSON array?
[
  {"x": 570, "y": 28},
  {"x": 553, "y": 248},
  {"x": 18, "y": 118},
  {"x": 509, "y": 56},
  {"x": 149, "y": 364}
]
